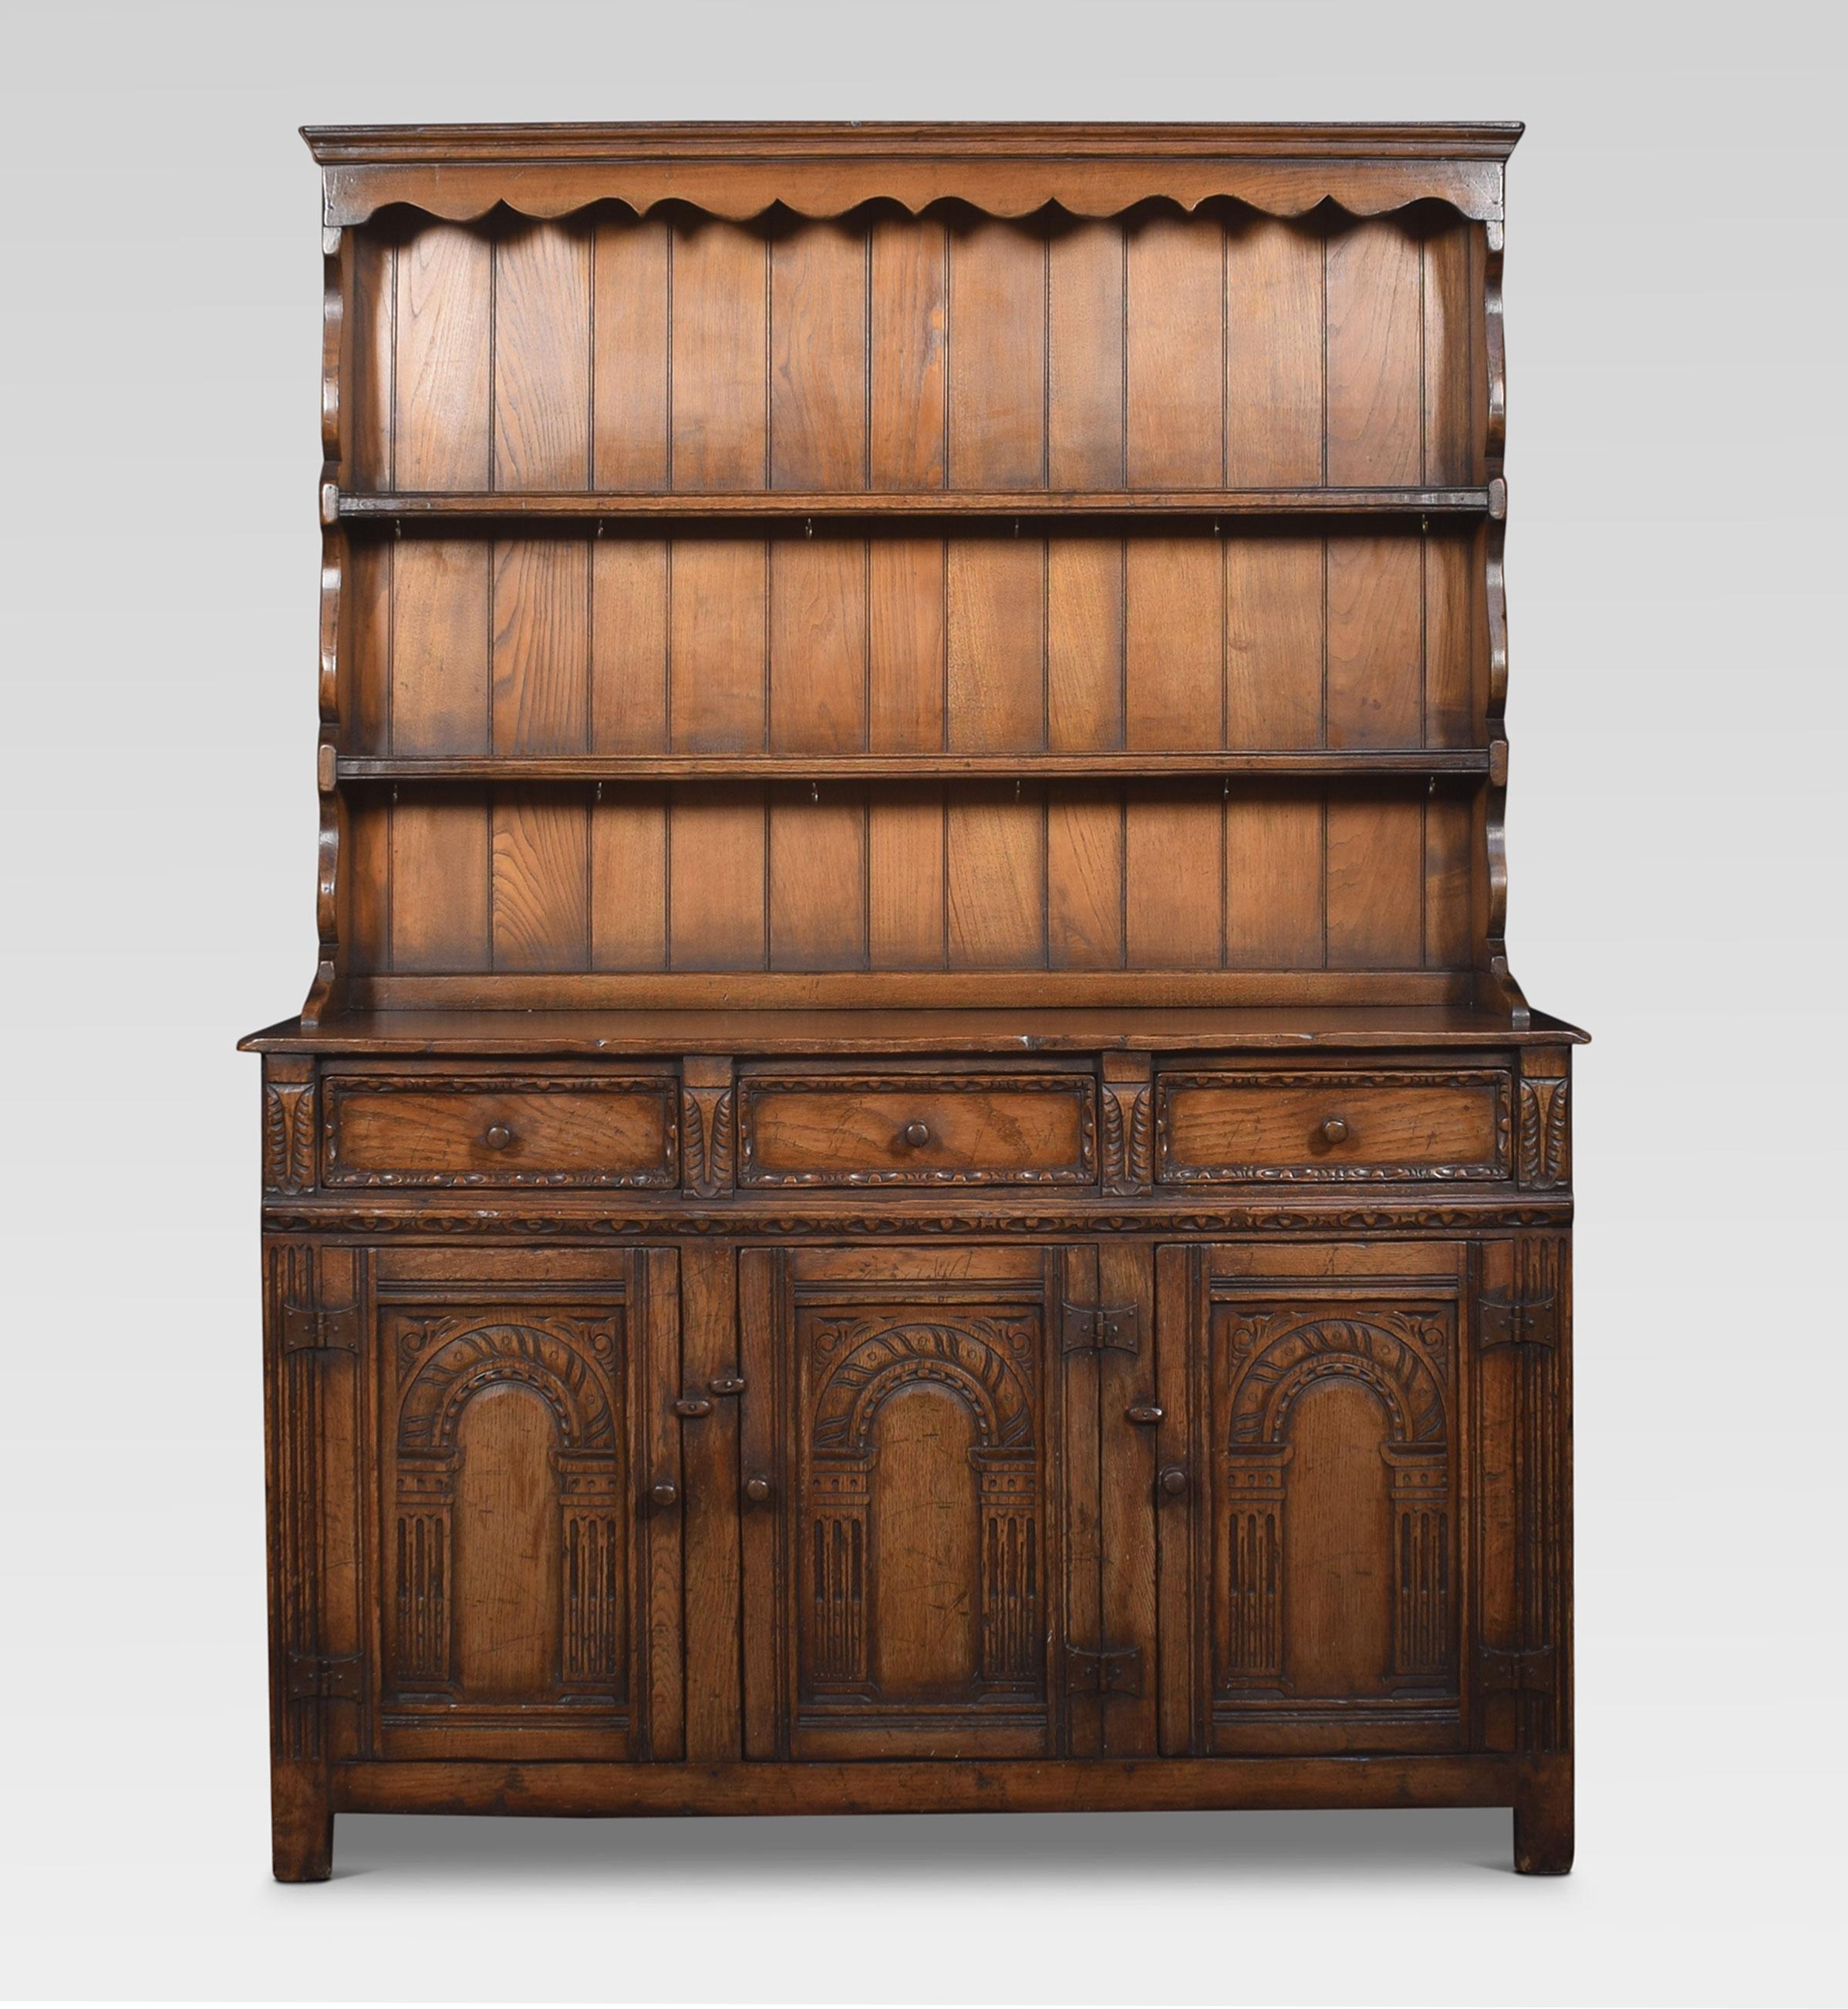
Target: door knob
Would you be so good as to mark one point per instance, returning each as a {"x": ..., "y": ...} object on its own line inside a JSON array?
[
  {"x": 726, "y": 1384},
  {"x": 1172, "y": 1480},
  {"x": 757, "y": 1488},
  {"x": 918, "y": 1134},
  {"x": 1145, "y": 1412},
  {"x": 693, "y": 1405},
  {"x": 663, "y": 1493},
  {"x": 498, "y": 1137},
  {"x": 1334, "y": 1130}
]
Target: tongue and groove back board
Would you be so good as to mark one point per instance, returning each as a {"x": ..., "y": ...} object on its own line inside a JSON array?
[{"x": 913, "y": 1176}]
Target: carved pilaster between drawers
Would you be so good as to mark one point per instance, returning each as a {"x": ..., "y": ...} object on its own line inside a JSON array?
[{"x": 707, "y": 1126}]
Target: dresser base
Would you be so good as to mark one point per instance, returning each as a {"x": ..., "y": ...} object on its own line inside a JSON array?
[{"x": 1539, "y": 1789}]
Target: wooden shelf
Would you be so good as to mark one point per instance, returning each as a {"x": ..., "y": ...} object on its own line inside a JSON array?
[
  {"x": 836, "y": 507},
  {"x": 817, "y": 767}
]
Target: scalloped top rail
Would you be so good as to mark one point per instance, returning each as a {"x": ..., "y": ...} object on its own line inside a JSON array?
[{"x": 737, "y": 172}]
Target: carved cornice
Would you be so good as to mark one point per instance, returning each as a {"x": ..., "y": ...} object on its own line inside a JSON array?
[{"x": 822, "y": 170}]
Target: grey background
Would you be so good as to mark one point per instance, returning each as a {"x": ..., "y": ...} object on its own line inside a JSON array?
[{"x": 1674, "y": 297}]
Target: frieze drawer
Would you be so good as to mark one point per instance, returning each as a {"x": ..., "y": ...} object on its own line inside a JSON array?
[
  {"x": 549, "y": 1130},
  {"x": 900, "y": 1129},
  {"x": 1333, "y": 1125}
]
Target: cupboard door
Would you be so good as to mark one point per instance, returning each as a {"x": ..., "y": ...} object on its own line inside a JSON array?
[
  {"x": 1309, "y": 1529},
  {"x": 906, "y": 1507},
  {"x": 527, "y": 1555}
]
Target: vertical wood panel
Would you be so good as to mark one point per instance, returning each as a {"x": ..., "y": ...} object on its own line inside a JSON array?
[
  {"x": 1376, "y": 883},
  {"x": 368, "y": 381},
  {"x": 997, "y": 358},
  {"x": 818, "y": 430},
  {"x": 1450, "y": 321},
  {"x": 1072, "y": 1277},
  {"x": 542, "y": 358},
  {"x": 905, "y": 875},
  {"x": 1447, "y": 886},
  {"x": 1452, "y": 644},
  {"x": 1176, "y": 693},
  {"x": 1376, "y": 424},
  {"x": 911, "y": 374},
  {"x": 439, "y": 646},
  {"x": 367, "y": 668},
  {"x": 541, "y": 881},
  {"x": 906, "y": 586},
  {"x": 1176, "y": 362},
  {"x": 629, "y": 867},
  {"x": 629, "y": 666},
  {"x": 365, "y": 913},
  {"x": 1274, "y": 642},
  {"x": 440, "y": 878},
  {"x": 440, "y": 390},
  {"x": 818, "y": 667},
  {"x": 1175, "y": 902},
  {"x": 1084, "y": 877},
  {"x": 720, "y": 371},
  {"x": 1376, "y": 642},
  {"x": 1084, "y": 644},
  {"x": 996, "y": 838},
  {"x": 716, "y": 646},
  {"x": 541, "y": 645},
  {"x": 997, "y": 697},
  {"x": 1274, "y": 880},
  {"x": 817, "y": 878},
  {"x": 718, "y": 850},
  {"x": 629, "y": 261},
  {"x": 1273, "y": 322},
  {"x": 1085, "y": 384}
]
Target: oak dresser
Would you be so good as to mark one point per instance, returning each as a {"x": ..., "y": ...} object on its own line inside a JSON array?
[{"x": 912, "y": 1177}]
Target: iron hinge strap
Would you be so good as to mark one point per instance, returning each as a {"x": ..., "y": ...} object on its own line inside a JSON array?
[
  {"x": 1517, "y": 1321},
  {"x": 324, "y": 1676},
  {"x": 1103, "y": 1671},
  {"x": 1089, "y": 1328},
  {"x": 313, "y": 1328},
  {"x": 1507, "y": 1671}
]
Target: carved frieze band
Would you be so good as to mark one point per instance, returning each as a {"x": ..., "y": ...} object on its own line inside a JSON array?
[{"x": 412, "y": 1222}]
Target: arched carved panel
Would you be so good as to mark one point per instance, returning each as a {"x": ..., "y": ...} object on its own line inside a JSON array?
[
  {"x": 1269, "y": 1358},
  {"x": 921, "y": 1449},
  {"x": 441, "y": 1368}
]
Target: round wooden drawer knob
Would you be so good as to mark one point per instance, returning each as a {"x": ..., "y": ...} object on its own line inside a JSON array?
[
  {"x": 1334, "y": 1130},
  {"x": 918, "y": 1134},
  {"x": 498, "y": 1137},
  {"x": 757, "y": 1488},
  {"x": 1172, "y": 1480},
  {"x": 663, "y": 1493}
]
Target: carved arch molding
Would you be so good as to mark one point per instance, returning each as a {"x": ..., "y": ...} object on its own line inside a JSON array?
[
  {"x": 439, "y": 1365},
  {"x": 990, "y": 1365},
  {"x": 1404, "y": 1360}
]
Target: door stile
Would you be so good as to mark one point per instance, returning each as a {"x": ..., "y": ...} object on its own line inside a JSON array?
[
  {"x": 656, "y": 1309},
  {"x": 707, "y": 1408},
  {"x": 1180, "y": 1292},
  {"x": 1127, "y": 1386},
  {"x": 765, "y": 1417},
  {"x": 1075, "y": 1372}
]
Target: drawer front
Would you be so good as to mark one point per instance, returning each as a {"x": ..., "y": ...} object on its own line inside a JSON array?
[
  {"x": 867, "y": 1130},
  {"x": 1333, "y": 1125},
  {"x": 415, "y": 1130}
]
